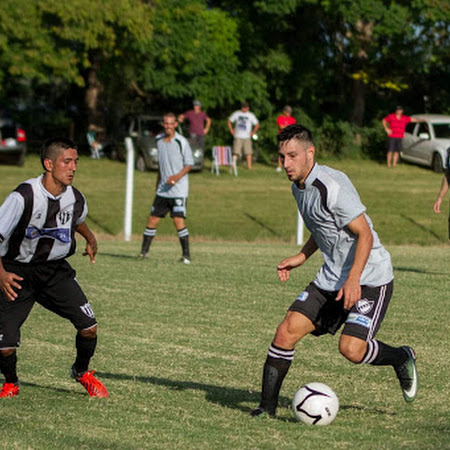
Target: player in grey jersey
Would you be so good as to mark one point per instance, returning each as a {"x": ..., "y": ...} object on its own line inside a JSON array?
[
  {"x": 352, "y": 288},
  {"x": 38, "y": 222},
  {"x": 172, "y": 187}
]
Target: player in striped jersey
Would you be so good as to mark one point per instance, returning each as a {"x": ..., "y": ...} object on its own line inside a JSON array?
[
  {"x": 38, "y": 221},
  {"x": 172, "y": 187},
  {"x": 352, "y": 288}
]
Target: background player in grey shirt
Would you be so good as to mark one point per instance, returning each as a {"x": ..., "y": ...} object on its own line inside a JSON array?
[
  {"x": 352, "y": 288},
  {"x": 172, "y": 186}
]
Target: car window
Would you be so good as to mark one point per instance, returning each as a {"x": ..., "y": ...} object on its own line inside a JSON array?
[
  {"x": 423, "y": 128},
  {"x": 151, "y": 127},
  {"x": 410, "y": 127},
  {"x": 442, "y": 130}
]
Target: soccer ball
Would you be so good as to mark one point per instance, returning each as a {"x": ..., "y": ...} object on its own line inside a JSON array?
[{"x": 315, "y": 404}]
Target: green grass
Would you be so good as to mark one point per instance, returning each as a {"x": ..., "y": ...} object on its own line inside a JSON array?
[
  {"x": 181, "y": 348},
  {"x": 181, "y": 351},
  {"x": 257, "y": 206}
]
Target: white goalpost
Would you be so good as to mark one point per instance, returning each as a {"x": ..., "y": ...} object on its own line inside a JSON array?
[{"x": 128, "y": 217}]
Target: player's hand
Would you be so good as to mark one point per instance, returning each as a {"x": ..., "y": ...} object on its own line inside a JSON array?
[
  {"x": 172, "y": 180},
  {"x": 437, "y": 205},
  {"x": 285, "y": 266},
  {"x": 91, "y": 250},
  {"x": 389, "y": 132},
  {"x": 8, "y": 281},
  {"x": 350, "y": 292}
]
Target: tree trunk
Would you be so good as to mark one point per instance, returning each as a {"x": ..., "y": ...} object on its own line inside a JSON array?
[{"x": 359, "y": 102}]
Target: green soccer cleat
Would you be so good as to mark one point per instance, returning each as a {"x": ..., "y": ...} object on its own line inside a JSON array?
[{"x": 408, "y": 376}]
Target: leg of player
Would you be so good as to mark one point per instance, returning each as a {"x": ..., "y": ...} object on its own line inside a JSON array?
[
  {"x": 149, "y": 234},
  {"x": 279, "y": 358},
  {"x": 376, "y": 353},
  {"x": 183, "y": 235},
  {"x": 86, "y": 341},
  {"x": 8, "y": 365}
]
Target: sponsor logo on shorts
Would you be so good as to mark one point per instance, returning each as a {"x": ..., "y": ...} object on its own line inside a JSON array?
[
  {"x": 178, "y": 209},
  {"x": 303, "y": 296},
  {"x": 359, "y": 319},
  {"x": 87, "y": 310},
  {"x": 364, "y": 306}
]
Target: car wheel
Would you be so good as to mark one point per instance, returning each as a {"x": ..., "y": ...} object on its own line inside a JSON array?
[
  {"x": 140, "y": 163},
  {"x": 437, "y": 164}
]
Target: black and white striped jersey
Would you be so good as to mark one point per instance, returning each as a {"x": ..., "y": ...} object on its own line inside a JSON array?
[{"x": 36, "y": 226}]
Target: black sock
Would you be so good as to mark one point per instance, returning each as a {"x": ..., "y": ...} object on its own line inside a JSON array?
[
  {"x": 184, "y": 241},
  {"x": 8, "y": 367},
  {"x": 275, "y": 370},
  {"x": 380, "y": 354},
  {"x": 85, "y": 351},
  {"x": 147, "y": 239}
]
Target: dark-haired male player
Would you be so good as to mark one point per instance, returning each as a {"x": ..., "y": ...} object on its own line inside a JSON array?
[
  {"x": 38, "y": 221},
  {"x": 172, "y": 187},
  {"x": 352, "y": 288}
]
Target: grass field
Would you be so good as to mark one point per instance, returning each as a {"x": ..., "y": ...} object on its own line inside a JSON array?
[
  {"x": 181, "y": 351},
  {"x": 257, "y": 206},
  {"x": 181, "y": 348}
]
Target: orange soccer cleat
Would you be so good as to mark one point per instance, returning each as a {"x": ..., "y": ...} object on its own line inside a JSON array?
[
  {"x": 94, "y": 387},
  {"x": 9, "y": 390}
]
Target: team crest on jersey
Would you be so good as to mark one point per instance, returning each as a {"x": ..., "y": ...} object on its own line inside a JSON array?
[
  {"x": 87, "y": 310},
  {"x": 303, "y": 296},
  {"x": 64, "y": 217},
  {"x": 364, "y": 306}
]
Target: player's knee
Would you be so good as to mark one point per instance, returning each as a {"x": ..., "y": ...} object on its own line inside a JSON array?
[
  {"x": 352, "y": 350},
  {"x": 89, "y": 333},
  {"x": 286, "y": 335}
]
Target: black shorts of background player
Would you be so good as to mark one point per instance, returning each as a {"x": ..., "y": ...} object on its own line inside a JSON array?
[
  {"x": 38, "y": 222},
  {"x": 353, "y": 286}
]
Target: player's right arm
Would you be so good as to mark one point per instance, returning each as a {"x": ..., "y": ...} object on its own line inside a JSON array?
[
  {"x": 230, "y": 127},
  {"x": 285, "y": 266},
  {"x": 442, "y": 192},
  {"x": 9, "y": 282},
  {"x": 386, "y": 127}
]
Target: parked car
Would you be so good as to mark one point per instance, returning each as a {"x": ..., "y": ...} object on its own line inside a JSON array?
[
  {"x": 143, "y": 129},
  {"x": 426, "y": 143},
  {"x": 12, "y": 142}
]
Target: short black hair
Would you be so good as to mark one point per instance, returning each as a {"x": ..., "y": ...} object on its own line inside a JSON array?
[
  {"x": 53, "y": 146},
  {"x": 295, "y": 131}
]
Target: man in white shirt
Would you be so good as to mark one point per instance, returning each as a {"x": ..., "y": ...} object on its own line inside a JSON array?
[{"x": 245, "y": 126}]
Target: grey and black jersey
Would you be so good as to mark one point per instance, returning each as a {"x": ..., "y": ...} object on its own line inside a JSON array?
[
  {"x": 36, "y": 226},
  {"x": 173, "y": 157},
  {"x": 328, "y": 204}
]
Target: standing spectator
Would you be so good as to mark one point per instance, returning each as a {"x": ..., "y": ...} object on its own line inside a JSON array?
[
  {"x": 199, "y": 123},
  {"x": 246, "y": 126},
  {"x": 283, "y": 120},
  {"x": 38, "y": 222},
  {"x": 172, "y": 186},
  {"x": 394, "y": 125},
  {"x": 443, "y": 191}
]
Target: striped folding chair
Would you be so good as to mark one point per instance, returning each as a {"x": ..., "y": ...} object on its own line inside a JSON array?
[{"x": 222, "y": 157}]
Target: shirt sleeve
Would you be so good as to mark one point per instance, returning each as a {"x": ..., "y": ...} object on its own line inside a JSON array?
[
  {"x": 255, "y": 120},
  {"x": 345, "y": 204},
  {"x": 10, "y": 213},
  {"x": 84, "y": 214},
  {"x": 232, "y": 118},
  {"x": 187, "y": 154}
]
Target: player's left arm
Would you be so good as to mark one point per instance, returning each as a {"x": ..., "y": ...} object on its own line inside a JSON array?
[
  {"x": 207, "y": 125},
  {"x": 351, "y": 290},
  {"x": 91, "y": 242}
]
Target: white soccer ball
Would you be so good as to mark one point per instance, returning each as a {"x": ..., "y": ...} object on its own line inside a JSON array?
[{"x": 315, "y": 404}]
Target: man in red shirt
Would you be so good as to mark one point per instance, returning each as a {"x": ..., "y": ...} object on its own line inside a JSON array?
[
  {"x": 199, "y": 123},
  {"x": 394, "y": 125},
  {"x": 283, "y": 120}
]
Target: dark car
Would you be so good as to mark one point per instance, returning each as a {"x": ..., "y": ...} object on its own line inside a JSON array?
[
  {"x": 143, "y": 129},
  {"x": 12, "y": 142}
]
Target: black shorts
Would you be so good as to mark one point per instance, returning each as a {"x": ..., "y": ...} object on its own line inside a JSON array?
[
  {"x": 395, "y": 145},
  {"x": 176, "y": 206},
  {"x": 328, "y": 315},
  {"x": 54, "y": 286}
]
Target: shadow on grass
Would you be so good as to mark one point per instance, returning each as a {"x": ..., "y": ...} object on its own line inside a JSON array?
[
  {"x": 262, "y": 224},
  {"x": 116, "y": 255},
  {"x": 423, "y": 228},
  {"x": 51, "y": 388},
  {"x": 226, "y": 396},
  {"x": 414, "y": 270}
]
